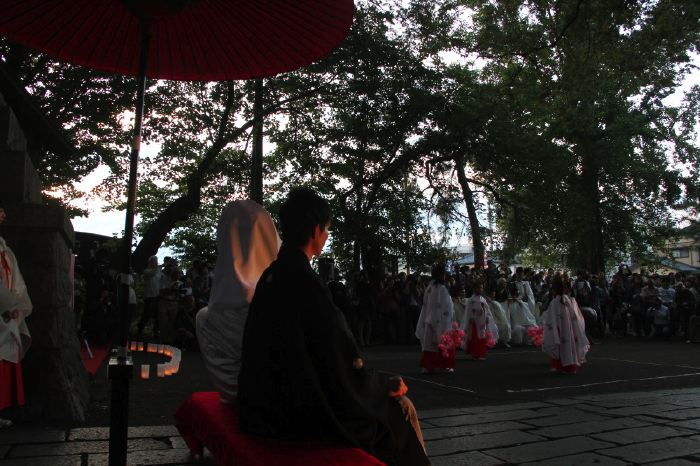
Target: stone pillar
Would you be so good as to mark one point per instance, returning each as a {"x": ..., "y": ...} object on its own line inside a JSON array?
[{"x": 41, "y": 236}]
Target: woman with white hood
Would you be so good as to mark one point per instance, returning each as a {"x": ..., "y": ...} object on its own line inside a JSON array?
[
  {"x": 501, "y": 319},
  {"x": 436, "y": 317},
  {"x": 478, "y": 324},
  {"x": 247, "y": 243},
  {"x": 520, "y": 318},
  {"x": 15, "y": 339},
  {"x": 564, "y": 338}
]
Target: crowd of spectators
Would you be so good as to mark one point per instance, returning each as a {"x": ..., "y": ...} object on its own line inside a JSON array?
[
  {"x": 385, "y": 309},
  {"x": 170, "y": 297}
]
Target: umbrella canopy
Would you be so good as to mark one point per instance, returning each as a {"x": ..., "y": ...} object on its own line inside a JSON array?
[{"x": 189, "y": 39}]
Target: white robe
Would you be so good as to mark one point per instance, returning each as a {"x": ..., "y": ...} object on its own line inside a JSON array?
[
  {"x": 478, "y": 311},
  {"x": 247, "y": 243},
  {"x": 502, "y": 320},
  {"x": 520, "y": 319},
  {"x": 525, "y": 293},
  {"x": 15, "y": 338},
  {"x": 436, "y": 316},
  {"x": 565, "y": 332},
  {"x": 460, "y": 306}
]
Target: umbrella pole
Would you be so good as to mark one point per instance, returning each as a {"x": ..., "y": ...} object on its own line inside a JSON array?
[{"x": 121, "y": 366}]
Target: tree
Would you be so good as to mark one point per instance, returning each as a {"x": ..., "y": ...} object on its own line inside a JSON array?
[
  {"x": 350, "y": 139},
  {"x": 592, "y": 75}
]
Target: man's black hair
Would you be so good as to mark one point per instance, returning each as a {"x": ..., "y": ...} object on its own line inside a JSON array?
[{"x": 299, "y": 215}]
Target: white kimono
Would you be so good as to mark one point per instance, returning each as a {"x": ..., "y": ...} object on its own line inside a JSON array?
[
  {"x": 565, "y": 332},
  {"x": 525, "y": 293},
  {"x": 436, "y": 316},
  {"x": 15, "y": 338},
  {"x": 520, "y": 319},
  {"x": 247, "y": 243},
  {"x": 478, "y": 311},
  {"x": 460, "y": 306},
  {"x": 502, "y": 320}
]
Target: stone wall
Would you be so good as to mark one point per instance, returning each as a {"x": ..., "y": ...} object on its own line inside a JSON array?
[{"x": 56, "y": 383}]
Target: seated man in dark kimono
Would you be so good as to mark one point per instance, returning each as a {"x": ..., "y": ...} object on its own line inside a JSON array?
[{"x": 301, "y": 376}]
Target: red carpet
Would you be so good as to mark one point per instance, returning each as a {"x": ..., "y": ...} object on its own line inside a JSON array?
[
  {"x": 99, "y": 353},
  {"x": 203, "y": 421}
]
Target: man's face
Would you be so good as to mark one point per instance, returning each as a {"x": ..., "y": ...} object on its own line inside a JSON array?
[
  {"x": 318, "y": 241},
  {"x": 2, "y": 215}
]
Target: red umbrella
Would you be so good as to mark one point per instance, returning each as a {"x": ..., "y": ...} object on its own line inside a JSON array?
[
  {"x": 189, "y": 40},
  {"x": 204, "y": 40}
]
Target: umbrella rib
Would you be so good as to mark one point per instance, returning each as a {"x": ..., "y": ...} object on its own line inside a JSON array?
[
  {"x": 261, "y": 68},
  {"x": 95, "y": 43},
  {"x": 227, "y": 52},
  {"x": 123, "y": 48},
  {"x": 196, "y": 17}
]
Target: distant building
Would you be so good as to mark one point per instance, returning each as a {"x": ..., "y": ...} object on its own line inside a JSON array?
[
  {"x": 682, "y": 253},
  {"x": 684, "y": 250}
]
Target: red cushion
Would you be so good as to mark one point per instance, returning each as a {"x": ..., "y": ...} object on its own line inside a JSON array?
[{"x": 204, "y": 422}]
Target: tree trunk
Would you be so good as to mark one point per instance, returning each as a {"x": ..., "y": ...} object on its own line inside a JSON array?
[
  {"x": 592, "y": 257},
  {"x": 471, "y": 213},
  {"x": 357, "y": 211},
  {"x": 256, "y": 170}
]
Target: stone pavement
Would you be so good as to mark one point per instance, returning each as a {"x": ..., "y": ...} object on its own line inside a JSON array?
[{"x": 659, "y": 428}]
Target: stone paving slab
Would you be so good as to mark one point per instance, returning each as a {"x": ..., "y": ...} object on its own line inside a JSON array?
[
  {"x": 78, "y": 447},
  {"x": 475, "y": 429},
  {"x": 478, "y": 442},
  {"x": 102, "y": 433},
  {"x": 178, "y": 442},
  {"x": 433, "y": 413},
  {"x": 471, "y": 458},
  {"x": 546, "y": 450},
  {"x": 652, "y": 419},
  {"x": 687, "y": 403},
  {"x": 584, "y": 428},
  {"x": 591, "y": 408},
  {"x": 73, "y": 460},
  {"x": 675, "y": 462},
  {"x": 620, "y": 402},
  {"x": 657, "y": 409},
  {"x": 566, "y": 401},
  {"x": 687, "y": 424},
  {"x": 641, "y": 434},
  {"x": 680, "y": 414},
  {"x": 468, "y": 419},
  {"x": 135, "y": 458},
  {"x": 656, "y": 450},
  {"x": 564, "y": 418},
  {"x": 584, "y": 459},
  {"x": 11, "y": 436}
]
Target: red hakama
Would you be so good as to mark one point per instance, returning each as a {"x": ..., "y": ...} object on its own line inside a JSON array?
[
  {"x": 476, "y": 347},
  {"x": 11, "y": 385},
  {"x": 556, "y": 365},
  {"x": 434, "y": 360}
]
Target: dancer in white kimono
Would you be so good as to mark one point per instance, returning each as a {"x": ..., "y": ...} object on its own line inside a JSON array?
[
  {"x": 520, "y": 318},
  {"x": 501, "y": 319},
  {"x": 15, "y": 339},
  {"x": 478, "y": 324},
  {"x": 564, "y": 338},
  {"x": 524, "y": 289},
  {"x": 436, "y": 317},
  {"x": 460, "y": 305},
  {"x": 247, "y": 243}
]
